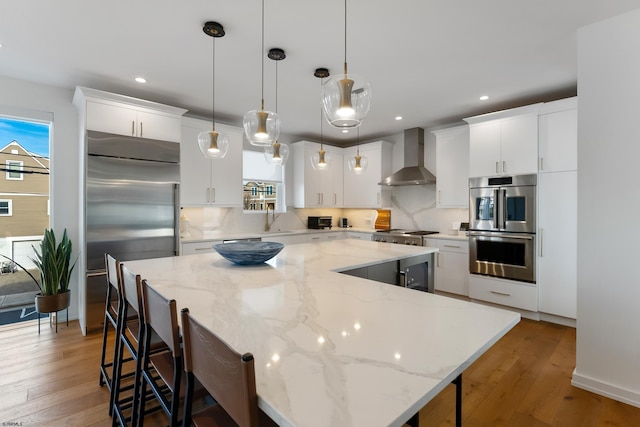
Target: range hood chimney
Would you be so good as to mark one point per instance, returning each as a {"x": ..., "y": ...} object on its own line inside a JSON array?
[{"x": 413, "y": 171}]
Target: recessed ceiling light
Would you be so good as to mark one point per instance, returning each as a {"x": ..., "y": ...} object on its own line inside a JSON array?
[
  {"x": 484, "y": 97},
  {"x": 398, "y": 117},
  {"x": 141, "y": 80}
]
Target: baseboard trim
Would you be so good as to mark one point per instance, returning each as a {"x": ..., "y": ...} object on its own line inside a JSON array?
[{"x": 602, "y": 388}]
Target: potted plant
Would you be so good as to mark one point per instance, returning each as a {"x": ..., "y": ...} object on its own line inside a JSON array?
[{"x": 54, "y": 262}]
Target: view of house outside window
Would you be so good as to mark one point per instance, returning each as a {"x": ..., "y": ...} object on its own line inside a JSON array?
[{"x": 24, "y": 190}]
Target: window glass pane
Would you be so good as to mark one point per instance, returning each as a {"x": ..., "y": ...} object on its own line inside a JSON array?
[{"x": 516, "y": 208}]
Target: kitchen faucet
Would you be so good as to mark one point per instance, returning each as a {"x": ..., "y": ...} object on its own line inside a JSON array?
[{"x": 267, "y": 226}]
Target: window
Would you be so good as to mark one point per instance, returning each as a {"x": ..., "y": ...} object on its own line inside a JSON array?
[
  {"x": 263, "y": 184},
  {"x": 14, "y": 169},
  {"x": 6, "y": 208}
]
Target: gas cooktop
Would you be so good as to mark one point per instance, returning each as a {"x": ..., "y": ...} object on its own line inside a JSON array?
[{"x": 399, "y": 231}]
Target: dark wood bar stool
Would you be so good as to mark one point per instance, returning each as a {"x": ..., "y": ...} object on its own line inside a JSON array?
[
  {"x": 126, "y": 396},
  {"x": 228, "y": 376}
]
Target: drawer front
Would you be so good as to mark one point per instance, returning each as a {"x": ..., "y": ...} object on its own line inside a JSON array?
[
  {"x": 453, "y": 246},
  {"x": 198, "y": 248},
  {"x": 504, "y": 292}
]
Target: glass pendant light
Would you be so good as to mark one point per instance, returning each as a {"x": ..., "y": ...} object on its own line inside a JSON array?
[
  {"x": 341, "y": 107},
  {"x": 261, "y": 127},
  {"x": 321, "y": 160},
  {"x": 276, "y": 153},
  {"x": 358, "y": 164},
  {"x": 213, "y": 144}
]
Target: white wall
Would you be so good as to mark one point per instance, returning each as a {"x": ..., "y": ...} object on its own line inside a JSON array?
[
  {"x": 64, "y": 153},
  {"x": 608, "y": 325}
]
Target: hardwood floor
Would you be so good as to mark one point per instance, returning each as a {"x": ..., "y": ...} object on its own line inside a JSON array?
[{"x": 523, "y": 380}]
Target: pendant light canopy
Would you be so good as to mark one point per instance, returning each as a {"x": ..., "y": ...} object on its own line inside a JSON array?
[
  {"x": 346, "y": 98},
  {"x": 213, "y": 144},
  {"x": 358, "y": 164},
  {"x": 261, "y": 127},
  {"x": 321, "y": 160},
  {"x": 276, "y": 153}
]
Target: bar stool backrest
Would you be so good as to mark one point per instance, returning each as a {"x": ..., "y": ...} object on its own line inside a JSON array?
[
  {"x": 228, "y": 376},
  {"x": 162, "y": 315},
  {"x": 130, "y": 288}
]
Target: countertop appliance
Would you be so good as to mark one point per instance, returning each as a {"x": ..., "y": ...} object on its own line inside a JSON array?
[
  {"x": 401, "y": 236},
  {"x": 502, "y": 227},
  {"x": 344, "y": 222},
  {"x": 319, "y": 222},
  {"x": 131, "y": 206}
]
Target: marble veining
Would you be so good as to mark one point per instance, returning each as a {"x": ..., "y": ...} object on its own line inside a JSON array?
[{"x": 332, "y": 349}]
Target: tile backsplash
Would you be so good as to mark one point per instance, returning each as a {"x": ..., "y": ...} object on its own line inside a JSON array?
[{"x": 413, "y": 207}]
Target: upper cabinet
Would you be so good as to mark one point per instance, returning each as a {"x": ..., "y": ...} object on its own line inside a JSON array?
[
  {"x": 123, "y": 115},
  {"x": 363, "y": 191},
  {"x": 558, "y": 140},
  {"x": 504, "y": 143},
  {"x": 210, "y": 182},
  {"x": 312, "y": 188},
  {"x": 452, "y": 163}
]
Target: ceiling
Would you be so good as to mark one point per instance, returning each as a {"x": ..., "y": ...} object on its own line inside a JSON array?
[{"x": 428, "y": 61}]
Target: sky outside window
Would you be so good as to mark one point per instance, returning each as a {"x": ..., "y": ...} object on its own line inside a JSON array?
[{"x": 32, "y": 136}]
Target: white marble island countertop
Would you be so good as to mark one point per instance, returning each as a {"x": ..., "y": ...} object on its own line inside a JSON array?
[{"x": 332, "y": 349}]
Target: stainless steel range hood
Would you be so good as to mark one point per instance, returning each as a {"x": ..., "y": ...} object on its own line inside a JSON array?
[{"x": 413, "y": 172}]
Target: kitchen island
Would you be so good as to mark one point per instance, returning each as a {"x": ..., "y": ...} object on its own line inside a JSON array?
[{"x": 332, "y": 349}]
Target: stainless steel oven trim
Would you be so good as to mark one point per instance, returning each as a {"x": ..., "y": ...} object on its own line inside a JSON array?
[{"x": 504, "y": 271}]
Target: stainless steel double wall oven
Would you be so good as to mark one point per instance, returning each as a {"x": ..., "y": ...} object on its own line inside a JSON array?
[{"x": 502, "y": 227}]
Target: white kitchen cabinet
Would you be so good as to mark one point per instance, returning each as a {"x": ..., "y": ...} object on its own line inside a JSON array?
[
  {"x": 203, "y": 247},
  {"x": 557, "y": 243},
  {"x": 210, "y": 182},
  {"x": 363, "y": 191},
  {"x": 291, "y": 239},
  {"x": 313, "y": 188},
  {"x": 358, "y": 235},
  {"x": 558, "y": 136},
  {"x": 452, "y": 164},
  {"x": 504, "y": 143},
  {"x": 123, "y": 115},
  {"x": 504, "y": 292},
  {"x": 326, "y": 236},
  {"x": 451, "y": 265}
]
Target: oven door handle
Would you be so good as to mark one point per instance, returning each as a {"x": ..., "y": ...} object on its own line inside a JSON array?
[
  {"x": 503, "y": 202},
  {"x": 503, "y": 235},
  {"x": 496, "y": 208}
]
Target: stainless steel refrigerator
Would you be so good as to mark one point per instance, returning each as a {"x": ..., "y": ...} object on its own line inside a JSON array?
[{"x": 131, "y": 207}]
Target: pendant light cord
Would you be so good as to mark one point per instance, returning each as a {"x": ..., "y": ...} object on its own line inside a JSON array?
[
  {"x": 345, "y": 36},
  {"x": 213, "y": 84},
  {"x": 321, "y": 81},
  {"x": 261, "y": 58}
]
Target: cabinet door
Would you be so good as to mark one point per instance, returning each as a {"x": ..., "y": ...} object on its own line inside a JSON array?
[
  {"x": 557, "y": 243},
  {"x": 111, "y": 119},
  {"x": 226, "y": 173},
  {"x": 195, "y": 169},
  {"x": 335, "y": 196},
  {"x": 452, "y": 161},
  {"x": 484, "y": 149},
  {"x": 158, "y": 126},
  {"x": 558, "y": 141},
  {"x": 519, "y": 145}
]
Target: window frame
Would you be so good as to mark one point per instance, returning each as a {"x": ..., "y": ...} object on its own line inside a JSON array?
[
  {"x": 9, "y": 203},
  {"x": 10, "y": 170}
]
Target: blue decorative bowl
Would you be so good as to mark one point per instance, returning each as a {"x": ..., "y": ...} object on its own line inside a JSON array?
[{"x": 248, "y": 253}]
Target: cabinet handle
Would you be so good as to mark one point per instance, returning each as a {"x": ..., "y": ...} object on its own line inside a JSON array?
[
  {"x": 451, "y": 246},
  {"x": 208, "y": 195},
  {"x": 437, "y": 259},
  {"x": 140, "y": 129},
  {"x": 335, "y": 199},
  {"x": 504, "y": 166},
  {"x": 439, "y": 197},
  {"x": 500, "y": 293},
  {"x": 540, "y": 242},
  {"x": 541, "y": 163},
  {"x": 497, "y": 166},
  {"x": 201, "y": 249},
  {"x": 133, "y": 128}
]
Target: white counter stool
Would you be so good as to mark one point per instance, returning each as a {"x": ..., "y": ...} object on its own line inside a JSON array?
[{"x": 228, "y": 376}]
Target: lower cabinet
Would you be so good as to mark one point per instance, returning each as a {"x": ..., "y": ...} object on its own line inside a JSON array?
[
  {"x": 204, "y": 247},
  {"x": 323, "y": 237},
  {"x": 504, "y": 292},
  {"x": 291, "y": 239},
  {"x": 358, "y": 235},
  {"x": 452, "y": 265}
]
